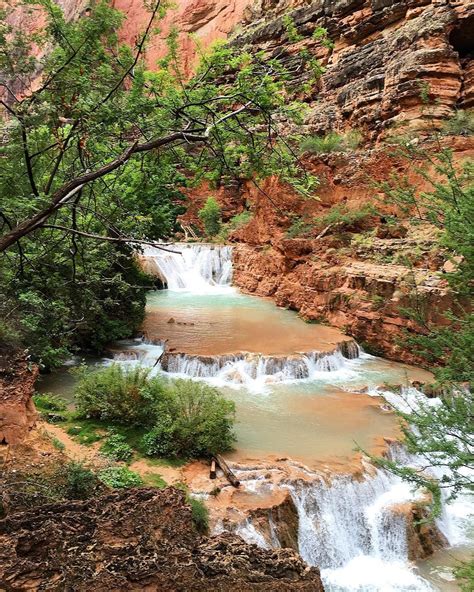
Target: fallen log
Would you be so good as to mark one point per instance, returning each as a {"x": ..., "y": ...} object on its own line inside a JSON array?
[
  {"x": 212, "y": 473},
  {"x": 227, "y": 471}
]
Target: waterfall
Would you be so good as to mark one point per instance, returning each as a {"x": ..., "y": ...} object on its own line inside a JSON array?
[
  {"x": 253, "y": 371},
  {"x": 193, "y": 267},
  {"x": 355, "y": 530},
  {"x": 352, "y": 531}
]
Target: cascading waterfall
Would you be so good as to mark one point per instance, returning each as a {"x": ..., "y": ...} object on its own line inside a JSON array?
[
  {"x": 355, "y": 531},
  {"x": 250, "y": 370},
  {"x": 193, "y": 267}
]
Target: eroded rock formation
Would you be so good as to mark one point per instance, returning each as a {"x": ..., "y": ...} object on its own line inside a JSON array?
[
  {"x": 17, "y": 411},
  {"x": 136, "y": 540},
  {"x": 384, "y": 53}
]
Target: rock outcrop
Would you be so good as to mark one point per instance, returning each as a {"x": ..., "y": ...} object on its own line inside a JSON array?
[
  {"x": 140, "y": 539},
  {"x": 17, "y": 411},
  {"x": 385, "y": 52}
]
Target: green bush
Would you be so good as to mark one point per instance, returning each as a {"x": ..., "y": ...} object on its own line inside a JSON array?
[
  {"x": 120, "y": 477},
  {"x": 116, "y": 448},
  {"x": 210, "y": 215},
  {"x": 116, "y": 394},
  {"x": 331, "y": 142},
  {"x": 49, "y": 402},
  {"x": 76, "y": 481},
  {"x": 239, "y": 220},
  {"x": 192, "y": 421},
  {"x": 200, "y": 514},
  {"x": 299, "y": 227},
  {"x": 341, "y": 215},
  {"x": 460, "y": 124}
]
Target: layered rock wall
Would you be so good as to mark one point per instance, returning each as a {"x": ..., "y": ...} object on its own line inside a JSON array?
[
  {"x": 141, "y": 539},
  {"x": 385, "y": 53}
]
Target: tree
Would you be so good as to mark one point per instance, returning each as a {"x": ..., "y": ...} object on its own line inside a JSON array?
[
  {"x": 441, "y": 434},
  {"x": 210, "y": 215},
  {"x": 95, "y": 151}
]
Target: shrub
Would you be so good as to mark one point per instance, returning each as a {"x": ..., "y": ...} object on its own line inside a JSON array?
[
  {"x": 58, "y": 444},
  {"x": 200, "y": 514},
  {"x": 76, "y": 481},
  {"x": 298, "y": 227},
  {"x": 210, "y": 215},
  {"x": 331, "y": 142},
  {"x": 192, "y": 421},
  {"x": 120, "y": 477},
  {"x": 239, "y": 220},
  {"x": 115, "y": 394},
  {"x": 49, "y": 402},
  {"x": 116, "y": 448},
  {"x": 341, "y": 215},
  {"x": 460, "y": 124}
]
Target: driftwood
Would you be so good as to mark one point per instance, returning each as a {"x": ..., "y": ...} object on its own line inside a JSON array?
[
  {"x": 227, "y": 471},
  {"x": 212, "y": 473},
  {"x": 160, "y": 357}
]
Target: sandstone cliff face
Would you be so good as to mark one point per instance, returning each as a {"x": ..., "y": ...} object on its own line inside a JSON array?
[
  {"x": 139, "y": 539},
  {"x": 17, "y": 411},
  {"x": 385, "y": 52},
  {"x": 354, "y": 278},
  {"x": 206, "y": 20}
]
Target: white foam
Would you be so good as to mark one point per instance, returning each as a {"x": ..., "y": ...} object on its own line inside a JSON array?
[{"x": 196, "y": 268}]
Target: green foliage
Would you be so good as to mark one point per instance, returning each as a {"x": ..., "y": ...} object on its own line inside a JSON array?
[
  {"x": 116, "y": 447},
  {"x": 442, "y": 434},
  {"x": 115, "y": 394},
  {"x": 210, "y": 215},
  {"x": 291, "y": 29},
  {"x": 86, "y": 433},
  {"x": 299, "y": 226},
  {"x": 331, "y": 142},
  {"x": 182, "y": 418},
  {"x": 66, "y": 285},
  {"x": 321, "y": 34},
  {"x": 200, "y": 514},
  {"x": 120, "y": 477},
  {"x": 57, "y": 444},
  {"x": 154, "y": 480},
  {"x": 465, "y": 575},
  {"x": 442, "y": 437},
  {"x": 192, "y": 421},
  {"x": 460, "y": 124},
  {"x": 239, "y": 220},
  {"x": 77, "y": 480},
  {"x": 343, "y": 217},
  {"x": 49, "y": 402},
  {"x": 450, "y": 207}
]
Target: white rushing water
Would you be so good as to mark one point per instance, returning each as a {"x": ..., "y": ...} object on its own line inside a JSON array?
[
  {"x": 193, "y": 267},
  {"x": 354, "y": 531},
  {"x": 252, "y": 371},
  {"x": 351, "y": 529}
]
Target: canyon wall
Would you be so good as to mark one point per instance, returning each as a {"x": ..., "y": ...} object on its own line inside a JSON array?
[
  {"x": 397, "y": 68},
  {"x": 384, "y": 52}
]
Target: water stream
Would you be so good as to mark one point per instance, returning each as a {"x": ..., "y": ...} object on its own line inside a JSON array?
[{"x": 302, "y": 391}]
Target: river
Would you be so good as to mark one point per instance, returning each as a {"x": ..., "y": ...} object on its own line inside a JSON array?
[{"x": 305, "y": 394}]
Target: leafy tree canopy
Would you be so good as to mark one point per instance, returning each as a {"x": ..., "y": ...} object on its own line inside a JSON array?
[{"x": 95, "y": 151}]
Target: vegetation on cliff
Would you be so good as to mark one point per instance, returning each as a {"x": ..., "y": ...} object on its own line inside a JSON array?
[{"x": 442, "y": 434}]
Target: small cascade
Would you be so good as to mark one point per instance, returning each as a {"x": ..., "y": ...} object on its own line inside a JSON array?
[
  {"x": 251, "y": 370},
  {"x": 192, "y": 267},
  {"x": 355, "y": 530}
]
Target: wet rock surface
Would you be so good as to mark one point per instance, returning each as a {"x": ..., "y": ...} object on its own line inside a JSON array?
[{"x": 140, "y": 539}]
